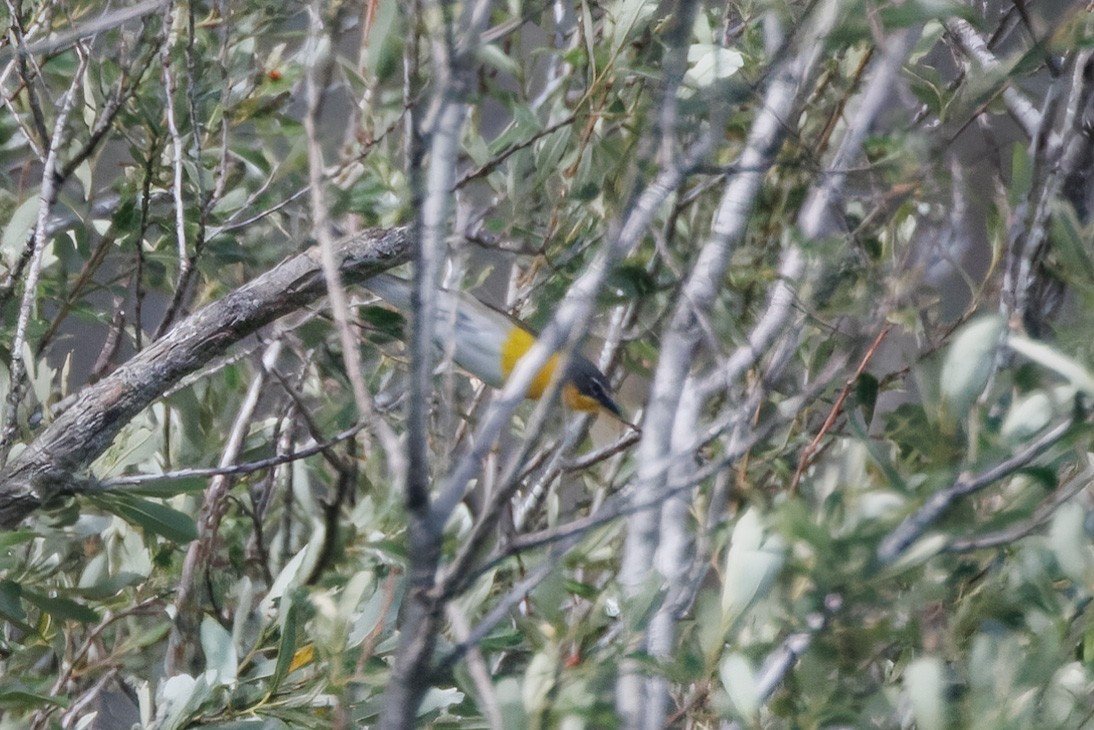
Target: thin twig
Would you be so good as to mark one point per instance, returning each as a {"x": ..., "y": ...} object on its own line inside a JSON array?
[
  {"x": 213, "y": 508},
  {"x": 48, "y": 198},
  {"x": 810, "y": 451},
  {"x": 318, "y": 72},
  {"x": 234, "y": 469},
  {"x": 64, "y": 39},
  {"x": 1007, "y": 536}
]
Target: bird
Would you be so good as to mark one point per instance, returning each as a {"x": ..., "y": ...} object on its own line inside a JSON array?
[{"x": 489, "y": 343}]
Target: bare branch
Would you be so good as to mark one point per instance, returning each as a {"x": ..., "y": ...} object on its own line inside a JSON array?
[
  {"x": 1044, "y": 512},
  {"x": 974, "y": 47},
  {"x": 317, "y": 77},
  {"x": 912, "y": 528},
  {"x": 453, "y": 47}
]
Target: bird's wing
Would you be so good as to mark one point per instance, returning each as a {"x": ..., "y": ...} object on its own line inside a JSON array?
[
  {"x": 478, "y": 332},
  {"x": 392, "y": 289}
]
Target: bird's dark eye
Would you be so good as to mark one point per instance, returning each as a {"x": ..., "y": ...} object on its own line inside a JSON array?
[{"x": 600, "y": 390}]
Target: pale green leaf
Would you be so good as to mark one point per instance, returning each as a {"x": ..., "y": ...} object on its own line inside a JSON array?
[
  {"x": 925, "y": 684},
  {"x": 968, "y": 364},
  {"x": 1051, "y": 358},
  {"x": 1032, "y": 413},
  {"x": 292, "y": 575},
  {"x": 437, "y": 698},
  {"x": 626, "y": 17},
  {"x": 14, "y": 238},
  {"x": 372, "y": 612},
  {"x": 1070, "y": 543},
  {"x": 176, "y": 700},
  {"x": 739, "y": 681},
  {"x": 753, "y": 561},
  {"x": 918, "y": 552},
  {"x": 709, "y": 63},
  {"x": 539, "y": 680},
  {"x": 221, "y": 661},
  {"x": 491, "y": 55}
]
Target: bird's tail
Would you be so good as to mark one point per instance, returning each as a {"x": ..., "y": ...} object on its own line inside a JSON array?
[{"x": 392, "y": 289}]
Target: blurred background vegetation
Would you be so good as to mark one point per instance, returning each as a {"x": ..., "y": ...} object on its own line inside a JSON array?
[{"x": 887, "y": 517}]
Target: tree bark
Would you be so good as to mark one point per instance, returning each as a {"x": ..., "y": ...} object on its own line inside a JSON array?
[{"x": 50, "y": 466}]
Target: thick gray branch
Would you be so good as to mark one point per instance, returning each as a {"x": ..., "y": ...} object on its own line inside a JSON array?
[{"x": 52, "y": 463}]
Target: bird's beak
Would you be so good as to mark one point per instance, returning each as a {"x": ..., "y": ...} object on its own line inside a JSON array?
[{"x": 611, "y": 407}]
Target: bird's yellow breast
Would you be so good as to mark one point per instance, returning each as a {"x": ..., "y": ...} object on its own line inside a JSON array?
[{"x": 516, "y": 344}]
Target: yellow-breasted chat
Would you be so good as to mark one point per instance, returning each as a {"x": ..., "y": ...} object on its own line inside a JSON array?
[{"x": 489, "y": 343}]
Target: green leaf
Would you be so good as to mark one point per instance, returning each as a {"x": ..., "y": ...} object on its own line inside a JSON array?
[
  {"x": 158, "y": 519},
  {"x": 437, "y": 698},
  {"x": 866, "y": 391},
  {"x": 1070, "y": 543},
  {"x": 968, "y": 364},
  {"x": 286, "y": 649},
  {"x": 739, "y": 681},
  {"x": 1054, "y": 360},
  {"x": 21, "y": 700},
  {"x": 1021, "y": 174},
  {"x": 18, "y": 537},
  {"x": 626, "y": 18},
  {"x": 584, "y": 590},
  {"x": 490, "y": 54},
  {"x": 918, "y": 553},
  {"x": 391, "y": 325},
  {"x": 62, "y": 609},
  {"x": 632, "y": 281},
  {"x": 1031, "y": 414},
  {"x": 710, "y": 62},
  {"x": 539, "y": 680},
  {"x": 924, "y": 681},
  {"x": 18, "y": 227},
  {"x": 10, "y": 606},
  {"x": 753, "y": 560},
  {"x": 221, "y": 661},
  {"x": 176, "y": 700}
]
